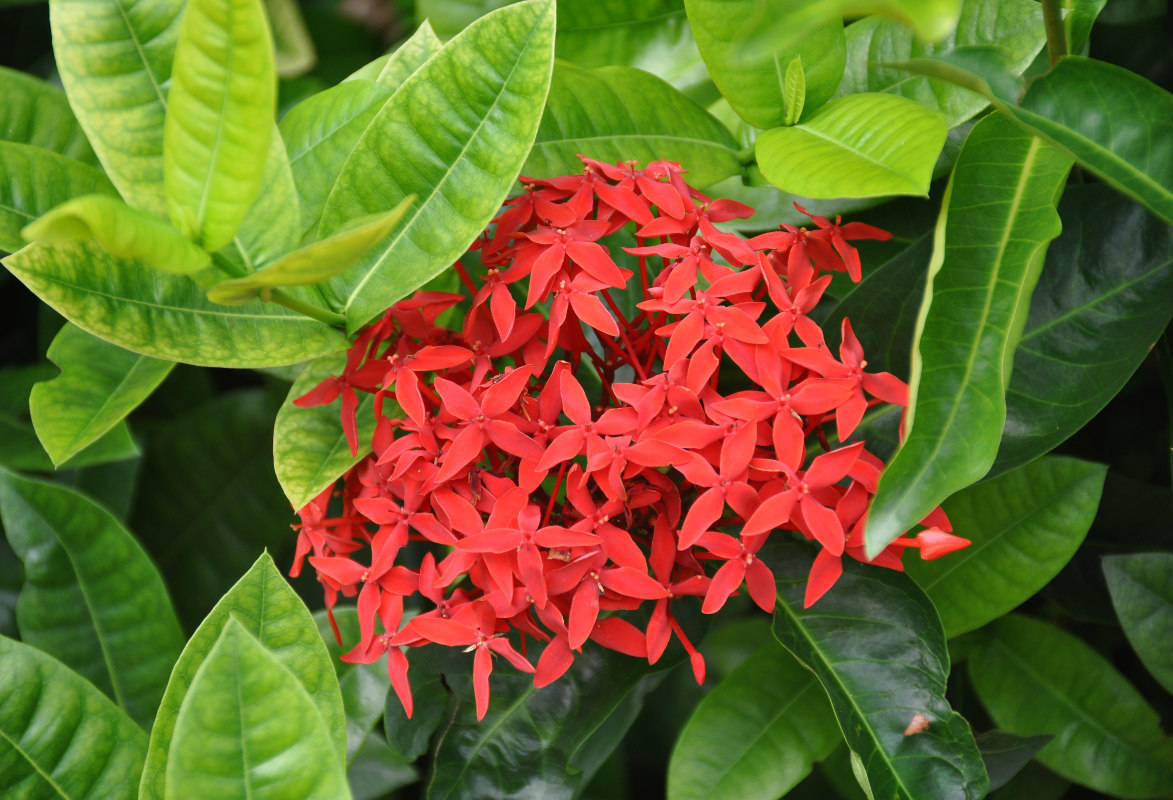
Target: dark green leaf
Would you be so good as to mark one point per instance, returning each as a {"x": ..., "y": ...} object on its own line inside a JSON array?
[
  {"x": 619, "y": 113},
  {"x": 99, "y": 385},
  {"x": 1005, "y": 754},
  {"x": 1107, "y": 278},
  {"x": 1024, "y": 527},
  {"x": 1142, "y": 593},
  {"x": 115, "y": 62},
  {"x": 875, "y": 643},
  {"x": 36, "y": 181},
  {"x": 464, "y": 121},
  {"x": 1036, "y": 679},
  {"x": 220, "y": 109},
  {"x": 59, "y": 736},
  {"x": 411, "y": 737},
  {"x": 264, "y": 604},
  {"x": 984, "y": 268},
  {"x": 91, "y": 597},
  {"x": 378, "y": 770},
  {"x": 1034, "y": 782},
  {"x": 756, "y": 734},
  {"x": 749, "y": 68},
  {"x": 364, "y": 686},
  {"x": 247, "y": 729},
  {"x": 165, "y": 316},
  {"x": 1113, "y": 121},
  {"x": 36, "y": 113},
  {"x": 862, "y": 145}
]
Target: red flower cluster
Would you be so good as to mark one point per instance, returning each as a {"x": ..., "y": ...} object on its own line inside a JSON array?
[{"x": 592, "y": 440}]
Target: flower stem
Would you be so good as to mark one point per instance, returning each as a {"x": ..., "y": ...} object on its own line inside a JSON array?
[
  {"x": 1056, "y": 35},
  {"x": 300, "y": 306}
]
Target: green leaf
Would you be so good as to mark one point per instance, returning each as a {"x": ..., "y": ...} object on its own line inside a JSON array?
[
  {"x": 220, "y": 112},
  {"x": 1024, "y": 527},
  {"x": 34, "y": 112},
  {"x": 364, "y": 686},
  {"x": 875, "y": 46},
  {"x": 313, "y": 263},
  {"x": 292, "y": 44},
  {"x": 1141, "y": 594},
  {"x": 59, "y": 736},
  {"x": 794, "y": 91},
  {"x": 412, "y": 738},
  {"x": 875, "y": 643},
  {"x": 1077, "y": 22},
  {"x": 310, "y": 451},
  {"x": 1112, "y": 121},
  {"x": 267, "y": 608},
  {"x": 121, "y": 231},
  {"x": 1035, "y": 679},
  {"x": 1005, "y": 754},
  {"x": 377, "y": 770},
  {"x": 756, "y": 734},
  {"x": 35, "y": 181},
  {"x": 248, "y": 729},
  {"x": 980, "y": 69},
  {"x": 99, "y": 385},
  {"x": 115, "y": 62},
  {"x": 736, "y": 38},
  {"x": 464, "y": 121},
  {"x": 618, "y": 114},
  {"x": 165, "y": 316},
  {"x": 996, "y": 222},
  {"x": 271, "y": 226},
  {"x": 393, "y": 69},
  {"x": 863, "y": 145},
  {"x": 91, "y": 598},
  {"x": 1110, "y": 271}
]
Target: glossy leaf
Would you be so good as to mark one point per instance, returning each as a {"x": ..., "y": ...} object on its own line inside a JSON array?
[
  {"x": 749, "y": 68},
  {"x": 756, "y": 734},
  {"x": 875, "y": 45},
  {"x": 309, "y": 447},
  {"x": 410, "y": 738},
  {"x": 115, "y": 62},
  {"x": 99, "y": 385},
  {"x": 1077, "y": 22},
  {"x": 619, "y": 113},
  {"x": 36, "y": 181},
  {"x": 267, "y": 608},
  {"x": 313, "y": 263},
  {"x": 393, "y": 69},
  {"x": 1036, "y": 679},
  {"x": 220, "y": 111},
  {"x": 1024, "y": 527},
  {"x": 891, "y": 667},
  {"x": 293, "y": 47},
  {"x": 1113, "y": 121},
  {"x": 985, "y": 266},
  {"x": 248, "y": 729},
  {"x": 1142, "y": 594},
  {"x": 1005, "y": 754},
  {"x": 59, "y": 736},
  {"x": 91, "y": 598},
  {"x": 486, "y": 85},
  {"x": 863, "y": 145},
  {"x": 121, "y": 231},
  {"x": 37, "y": 113},
  {"x": 1107, "y": 278},
  {"x": 165, "y": 316}
]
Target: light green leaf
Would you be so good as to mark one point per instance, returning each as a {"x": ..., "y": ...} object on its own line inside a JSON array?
[
  {"x": 99, "y": 385},
  {"x": 121, "y": 231},
  {"x": 1035, "y": 679},
  {"x": 220, "y": 112},
  {"x": 34, "y": 112},
  {"x": 393, "y": 69},
  {"x": 310, "y": 451},
  {"x": 794, "y": 91},
  {"x": 267, "y": 608},
  {"x": 750, "y": 67},
  {"x": 863, "y": 145},
  {"x": 292, "y": 43},
  {"x": 1142, "y": 594},
  {"x": 1113, "y": 121},
  {"x": 996, "y": 222},
  {"x": 875, "y": 643},
  {"x": 464, "y": 122},
  {"x": 364, "y": 686},
  {"x": 618, "y": 114},
  {"x": 115, "y": 58},
  {"x": 91, "y": 596},
  {"x": 59, "y": 736},
  {"x": 271, "y": 226},
  {"x": 756, "y": 734},
  {"x": 875, "y": 45},
  {"x": 247, "y": 729},
  {"x": 35, "y": 181},
  {"x": 1024, "y": 527},
  {"x": 315, "y": 262},
  {"x": 165, "y": 316}
]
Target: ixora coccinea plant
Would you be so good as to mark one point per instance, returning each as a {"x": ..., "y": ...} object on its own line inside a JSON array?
[{"x": 553, "y": 444}]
